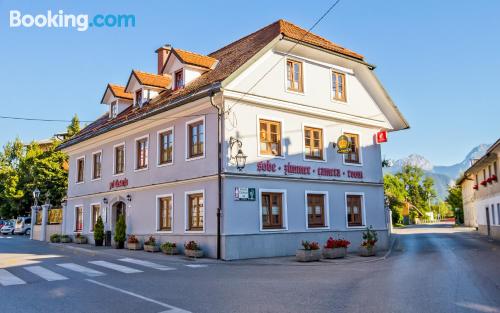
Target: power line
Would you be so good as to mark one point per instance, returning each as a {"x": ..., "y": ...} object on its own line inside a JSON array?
[{"x": 285, "y": 55}]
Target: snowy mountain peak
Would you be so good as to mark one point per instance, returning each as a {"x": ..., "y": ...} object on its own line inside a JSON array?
[{"x": 415, "y": 160}]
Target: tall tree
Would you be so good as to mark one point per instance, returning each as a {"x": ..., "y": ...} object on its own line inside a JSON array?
[
  {"x": 454, "y": 199},
  {"x": 74, "y": 127},
  {"x": 396, "y": 194}
]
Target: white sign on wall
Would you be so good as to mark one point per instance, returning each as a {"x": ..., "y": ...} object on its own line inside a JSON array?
[{"x": 244, "y": 194}]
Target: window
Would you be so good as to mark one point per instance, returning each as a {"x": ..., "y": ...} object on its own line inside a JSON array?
[
  {"x": 493, "y": 214},
  {"x": 165, "y": 147},
  {"x": 78, "y": 219},
  {"x": 141, "y": 153},
  {"x": 495, "y": 168},
  {"x": 353, "y": 157},
  {"x": 270, "y": 137},
  {"x": 96, "y": 165},
  {"x": 179, "y": 79},
  {"x": 119, "y": 159},
  {"x": 316, "y": 210},
  {"x": 313, "y": 138},
  {"x": 354, "y": 210},
  {"x": 498, "y": 212},
  {"x": 195, "y": 211},
  {"x": 95, "y": 212},
  {"x": 294, "y": 76},
  {"x": 196, "y": 139},
  {"x": 489, "y": 170},
  {"x": 138, "y": 97},
  {"x": 114, "y": 109},
  {"x": 80, "y": 169},
  {"x": 338, "y": 86},
  {"x": 165, "y": 213},
  {"x": 272, "y": 210},
  {"x": 484, "y": 174}
]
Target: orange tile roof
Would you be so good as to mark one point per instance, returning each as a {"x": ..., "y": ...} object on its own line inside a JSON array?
[
  {"x": 230, "y": 58},
  {"x": 153, "y": 80},
  {"x": 119, "y": 92},
  {"x": 196, "y": 59}
]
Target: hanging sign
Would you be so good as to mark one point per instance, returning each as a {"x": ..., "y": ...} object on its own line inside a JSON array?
[
  {"x": 381, "y": 136},
  {"x": 343, "y": 145},
  {"x": 244, "y": 194}
]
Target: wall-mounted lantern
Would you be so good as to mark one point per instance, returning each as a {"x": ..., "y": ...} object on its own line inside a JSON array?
[
  {"x": 129, "y": 198},
  {"x": 36, "y": 195},
  {"x": 240, "y": 158},
  {"x": 105, "y": 201}
]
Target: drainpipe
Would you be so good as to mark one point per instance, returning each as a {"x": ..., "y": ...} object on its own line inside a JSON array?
[{"x": 219, "y": 172}]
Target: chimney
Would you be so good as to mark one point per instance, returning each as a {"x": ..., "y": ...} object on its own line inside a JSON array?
[{"x": 162, "y": 52}]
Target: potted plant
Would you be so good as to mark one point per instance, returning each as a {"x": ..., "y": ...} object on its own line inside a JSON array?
[
  {"x": 120, "y": 232},
  {"x": 310, "y": 252},
  {"x": 370, "y": 238},
  {"x": 99, "y": 232},
  {"x": 150, "y": 245},
  {"x": 335, "y": 248},
  {"x": 55, "y": 238},
  {"x": 133, "y": 243},
  {"x": 484, "y": 183},
  {"x": 65, "y": 239},
  {"x": 494, "y": 178},
  {"x": 193, "y": 250},
  {"x": 80, "y": 239},
  {"x": 169, "y": 248}
]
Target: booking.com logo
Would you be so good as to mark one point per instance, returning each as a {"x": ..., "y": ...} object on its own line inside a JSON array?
[{"x": 81, "y": 22}]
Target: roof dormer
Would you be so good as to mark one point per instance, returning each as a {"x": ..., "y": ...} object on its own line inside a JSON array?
[
  {"x": 117, "y": 99},
  {"x": 184, "y": 66},
  {"x": 146, "y": 86}
]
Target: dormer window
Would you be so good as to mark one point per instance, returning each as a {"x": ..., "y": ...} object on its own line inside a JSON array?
[
  {"x": 179, "y": 80},
  {"x": 138, "y": 97},
  {"x": 113, "y": 110}
]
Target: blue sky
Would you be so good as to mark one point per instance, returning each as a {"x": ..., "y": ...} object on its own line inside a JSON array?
[{"x": 439, "y": 60}]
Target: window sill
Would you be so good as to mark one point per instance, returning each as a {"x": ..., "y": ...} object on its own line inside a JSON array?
[
  {"x": 295, "y": 92},
  {"x": 356, "y": 227},
  {"x": 352, "y": 164},
  {"x": 273, "y": 229},
  {"x": 141, "y": 169},
  {"x": 79, "y": 182},
  {"x": 317, "y": 227},
  {"x": 164, "y": 231},
  {"x": 187, "y": 231},
  {"x": 165, "y": 164},
  {"x": 314, "y": 160},
  {"x": 270, "y": 156},
  {"x": 119, "y": 174},
  {"x": 195, "y": 158},
  {"x": 96, "y": 179}
]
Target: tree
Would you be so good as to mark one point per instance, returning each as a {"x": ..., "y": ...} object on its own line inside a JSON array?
[
  {"x": 74, "y": 127},
  {"x": 455, "y": 201},
  {"x": 99, "y": 231},
  {"x": 120, "y": 231},
  {"x": 395, "y": 193}
]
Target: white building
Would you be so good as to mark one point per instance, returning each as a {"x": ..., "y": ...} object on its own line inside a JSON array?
[
  {"x": 481, "y": 193},
  {"x": 284, "y": 101}
]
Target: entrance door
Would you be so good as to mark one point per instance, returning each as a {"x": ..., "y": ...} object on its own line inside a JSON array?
[{"x": 488, "y": 228}]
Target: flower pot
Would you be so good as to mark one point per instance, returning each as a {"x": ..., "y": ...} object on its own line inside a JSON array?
[
  {"x": 65, "y": 239},
  {"x": 193, "y": 253},
  {"x": 151, "y": 248},
  {"x": 134, "y": 246},
  {"x": 98, "y": 242},
  {"x": 367, "y": 250},
  {"x": 308, "y": 255},
  {"x": 80, "y": 240},
  {"x": 119, "y": 244},
  {"x": 334, "y": 253},
  {"x": 170, "y": 250}
]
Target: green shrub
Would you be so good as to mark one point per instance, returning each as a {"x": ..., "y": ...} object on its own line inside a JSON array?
[
  {"x": 99, "y": 229},
  {"x": 55, "y": 238},
  {"x": 121, "y": 230}
]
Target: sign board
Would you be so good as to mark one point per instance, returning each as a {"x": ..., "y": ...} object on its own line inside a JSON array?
[
  {"x": 381, "y": 136},
  {"x": 244, "y": 194},
  {"x": 343, "y": 145}
]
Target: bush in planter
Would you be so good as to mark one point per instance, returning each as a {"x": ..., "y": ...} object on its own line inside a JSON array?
[
  {"x": 192, "y": 249},
  {"x": 169, "y": 248},
  {"x": 80, "y": 239},
  {"x": 370, "y": 238},
  {"x": 150, "y": 245},
  {"x": 99, "y": 232},
  {"x": 55, "y": 238},
  {"x": 133, "y": 243},
  {"x": 120, "y": 232},
  {"x": 65, "y": 239},
  {"x": 335, "y": 248},
  {"x": 310, "y": 252}
]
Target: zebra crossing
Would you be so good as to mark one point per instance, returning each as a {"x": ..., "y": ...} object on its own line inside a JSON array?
[{"x": 90, "y": 269}]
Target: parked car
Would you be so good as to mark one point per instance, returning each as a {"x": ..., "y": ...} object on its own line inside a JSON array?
[
  {"x": 2, "y": 223},
  {"x": 23, "y": 226},
  {"x": 7, "y": 228}
]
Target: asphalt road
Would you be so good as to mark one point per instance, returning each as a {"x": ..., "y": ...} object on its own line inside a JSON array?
[{"x": 431, "y": 269}]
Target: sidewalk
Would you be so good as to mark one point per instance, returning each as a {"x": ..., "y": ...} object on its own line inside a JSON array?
[{"x": 159, "y": 256}]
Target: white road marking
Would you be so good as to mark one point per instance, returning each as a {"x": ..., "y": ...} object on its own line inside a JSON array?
[
  {"x": 147, "y": 264},
  {"x": 81, "y": 269},
  {"x": 7, "y": 278},
  {"x": 44, "y": 273},
  {"x": 2, "y": 237},
  {"x": 196, "y": 265},
  {"x": 116, "y": 267},
  {"x": 172, "y": 308}
]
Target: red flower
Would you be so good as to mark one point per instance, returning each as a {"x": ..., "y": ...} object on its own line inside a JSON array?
[
  {"x": 484, "y": 183},
  {"x": 476, "y": 187},
  {"x": 336, "y": 243},
  {"x": 494, "y": 177}
]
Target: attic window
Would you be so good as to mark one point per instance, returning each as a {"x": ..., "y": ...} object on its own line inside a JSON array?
[
  {"x": 138, "y": 97},
  {"x": 179, "y": 80},
  {"x": 113, "y": 109}
]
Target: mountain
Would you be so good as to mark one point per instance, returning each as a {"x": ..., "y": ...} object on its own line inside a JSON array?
[{"x": 443, "y": 175}]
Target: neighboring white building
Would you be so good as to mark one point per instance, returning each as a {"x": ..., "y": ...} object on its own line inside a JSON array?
[
  {"x": 481, "y": 193},
  {"x": 284, "y": 101}
]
